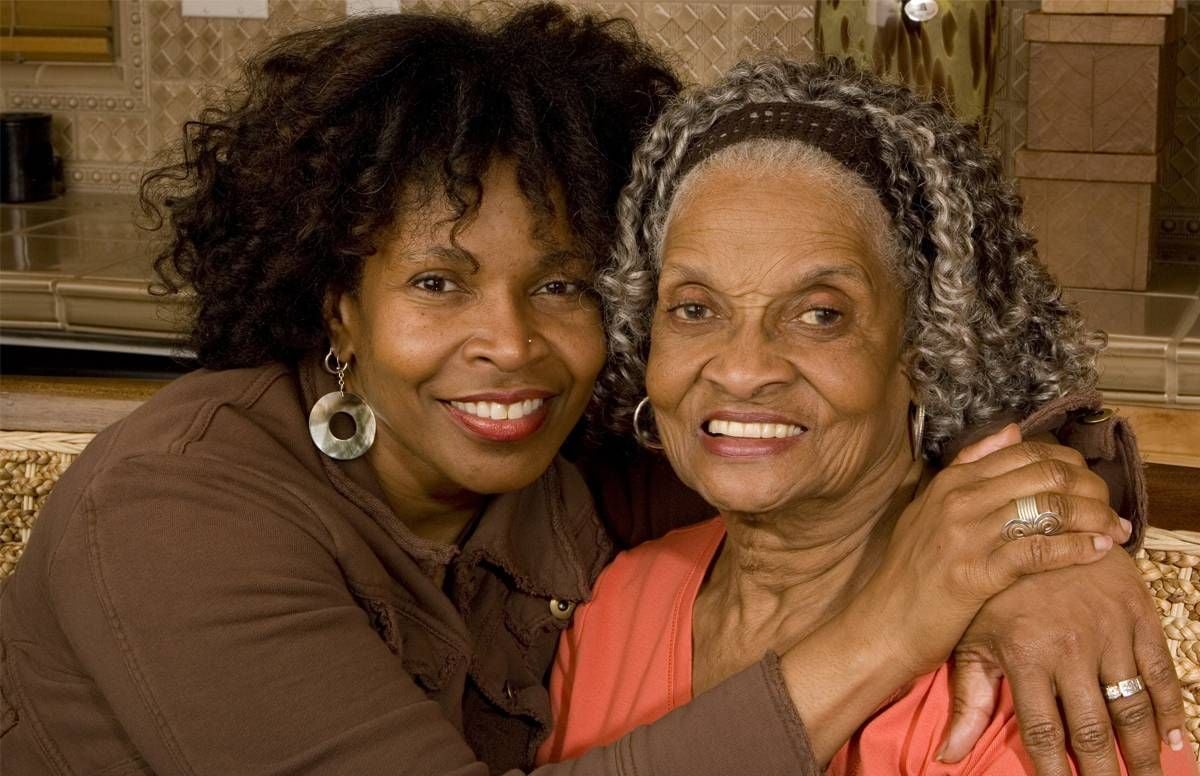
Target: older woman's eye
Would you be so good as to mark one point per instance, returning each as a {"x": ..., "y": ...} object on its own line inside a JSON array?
[
  {"x": 820, "y": 316},
  {"x": 435, "y": 284},
  {"x": 692, "y": 311}
]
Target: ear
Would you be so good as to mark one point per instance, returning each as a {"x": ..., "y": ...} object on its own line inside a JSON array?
[{"x": 343, "y": 322}]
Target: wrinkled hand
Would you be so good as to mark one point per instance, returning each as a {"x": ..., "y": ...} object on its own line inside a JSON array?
[
  {"x": 1057, "y": 636},
  {"x": 947, "y": 555}
]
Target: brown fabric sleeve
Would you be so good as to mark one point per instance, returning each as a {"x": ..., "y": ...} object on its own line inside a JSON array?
[
  {"x": 207, "y": 604},
  {"x": 746, "y": 724},
  {"x": 1109, "y": 446}
]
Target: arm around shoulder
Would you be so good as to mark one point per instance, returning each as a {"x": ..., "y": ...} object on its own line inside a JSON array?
[{"x": 210, "y": 610}]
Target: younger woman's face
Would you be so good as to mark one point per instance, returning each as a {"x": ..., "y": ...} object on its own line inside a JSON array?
[{"x": 477, "y": 356}]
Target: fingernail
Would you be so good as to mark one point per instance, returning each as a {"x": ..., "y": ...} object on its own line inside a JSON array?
[
  {"x": 1175, "y": 739},
  {"x": 1128, "y": 526},
  {"x": 942, "y": 751},
  {"x": 1102, "y": 543}
]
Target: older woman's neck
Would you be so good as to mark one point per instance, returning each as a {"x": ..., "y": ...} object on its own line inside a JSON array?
[
  {"x": 812, "y": 539},
  {"x": 780, "y": 576}
]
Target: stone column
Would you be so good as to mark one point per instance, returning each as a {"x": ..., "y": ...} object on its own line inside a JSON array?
[{"x": 1101, "y": 84}]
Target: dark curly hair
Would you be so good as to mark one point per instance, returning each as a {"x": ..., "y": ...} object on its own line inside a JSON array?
[{"x": 283, "y": 190}]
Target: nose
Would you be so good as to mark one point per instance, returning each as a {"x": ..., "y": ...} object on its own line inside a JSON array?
[
  {"x": 505, "y": 335},
  {"x": 748, "y": 364}
]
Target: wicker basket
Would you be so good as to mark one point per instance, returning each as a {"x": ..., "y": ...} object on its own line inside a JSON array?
[
  {"x": 1170, "y": 564},
  {"x": 30, "y": 464}
]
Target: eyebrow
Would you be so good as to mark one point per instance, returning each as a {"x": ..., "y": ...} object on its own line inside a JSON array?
[
  {"x": 560, "y": 259},
  {"x": 692, "y": 274},
  {"x": 552, "y": 260},
  {"x": 452, "y": 254}
]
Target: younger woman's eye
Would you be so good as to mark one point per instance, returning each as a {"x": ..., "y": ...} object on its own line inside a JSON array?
[
  {"x": 821, "y": 316},
  {"x": 692, "y": 311},
  {"x": 435, "y": 284},
  {"x": 561, "y": 287}
]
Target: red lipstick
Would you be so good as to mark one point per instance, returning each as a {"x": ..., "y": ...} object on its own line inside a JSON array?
[{"x": 501, "y": 429}]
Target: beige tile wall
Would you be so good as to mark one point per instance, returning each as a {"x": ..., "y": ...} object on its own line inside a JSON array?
[
  {"x": 1179, "y": 224},
  {"x": 111, "y": 120}
]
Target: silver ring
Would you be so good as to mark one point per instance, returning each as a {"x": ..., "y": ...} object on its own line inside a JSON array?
[
  {"x": 1031, "y": 521},
  {"x": 1125, "y": 688}
]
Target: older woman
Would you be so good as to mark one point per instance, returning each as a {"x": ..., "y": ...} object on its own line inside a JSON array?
[
  {"x": 833, "y": 281},
  {"x": 348, "y": 545}
]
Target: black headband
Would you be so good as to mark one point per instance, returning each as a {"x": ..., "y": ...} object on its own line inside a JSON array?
[{"x": 845, "y": 136}]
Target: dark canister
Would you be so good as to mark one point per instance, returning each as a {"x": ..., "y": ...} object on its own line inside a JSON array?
[{"x": 27, "y": 157}]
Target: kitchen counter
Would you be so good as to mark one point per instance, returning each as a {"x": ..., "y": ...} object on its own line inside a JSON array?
[
  {"x": 75, "y": 272},
  {"x": 1153, "y": 355}
]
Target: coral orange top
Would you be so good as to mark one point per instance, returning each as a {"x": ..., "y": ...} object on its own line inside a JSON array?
[{"x": 627, "y": 660}]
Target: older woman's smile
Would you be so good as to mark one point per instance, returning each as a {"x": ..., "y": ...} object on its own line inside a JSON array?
[{"x": 749, "y": 434}]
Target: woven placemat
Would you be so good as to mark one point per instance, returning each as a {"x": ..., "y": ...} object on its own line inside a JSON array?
[
  {"x": 1170, "y": 564},
  {"x": 30, "y": 464}
]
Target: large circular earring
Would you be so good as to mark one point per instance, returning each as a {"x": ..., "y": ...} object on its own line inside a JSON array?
[
  {"x": 916, "y": 429},
  {"x": 341, "y": 403},
  {"x": 645, "y": 438}
]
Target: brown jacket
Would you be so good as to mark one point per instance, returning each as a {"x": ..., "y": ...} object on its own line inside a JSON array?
[{"x": 205, "y": 593}]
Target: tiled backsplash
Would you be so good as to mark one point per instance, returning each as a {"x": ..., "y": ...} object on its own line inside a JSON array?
[
  {"x": 112, "y": 120},
  {"x": 1153, "y": 353}
]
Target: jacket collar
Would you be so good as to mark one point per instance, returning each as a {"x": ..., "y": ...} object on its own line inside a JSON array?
[{"x": 547, "y": 537}]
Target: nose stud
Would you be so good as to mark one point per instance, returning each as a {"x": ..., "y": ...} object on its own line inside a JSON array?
[{"x": 529, "y": 341}]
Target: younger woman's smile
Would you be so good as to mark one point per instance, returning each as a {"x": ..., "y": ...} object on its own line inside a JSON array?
[{"x": 509, "y": 417}]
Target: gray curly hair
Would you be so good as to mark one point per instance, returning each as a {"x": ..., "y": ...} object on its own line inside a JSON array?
[{"x": 987, "y": 330}]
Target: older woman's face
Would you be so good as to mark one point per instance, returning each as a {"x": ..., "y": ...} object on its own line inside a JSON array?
[{"x": 775, "y": 365}]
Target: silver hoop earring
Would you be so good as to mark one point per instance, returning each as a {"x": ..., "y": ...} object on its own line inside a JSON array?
[
  {"x": 340, "y": 402},
  {"x": 643, "y": 437},
  {"x": 916, "y": 429}
]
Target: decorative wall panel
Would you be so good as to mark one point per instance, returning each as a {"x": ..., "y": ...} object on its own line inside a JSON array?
[
  {"x": 175, "y": 102},
  {"x": 112, "y": 138},
  {"x": 1060, "y": 97},
  {"x": 774, "y": 29},
  {"x": 1091, "y": 234},
  {"x": 183, "y": 47},
  {"x": 699, "y": 33},
  {"x": 110, "y": 121},
  {"x": 1179, "y": 225},
  {"x": 432, "y": 6},
  {"x": 1127, "y": 113},
  {"x": 1006, "y": 129}
]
